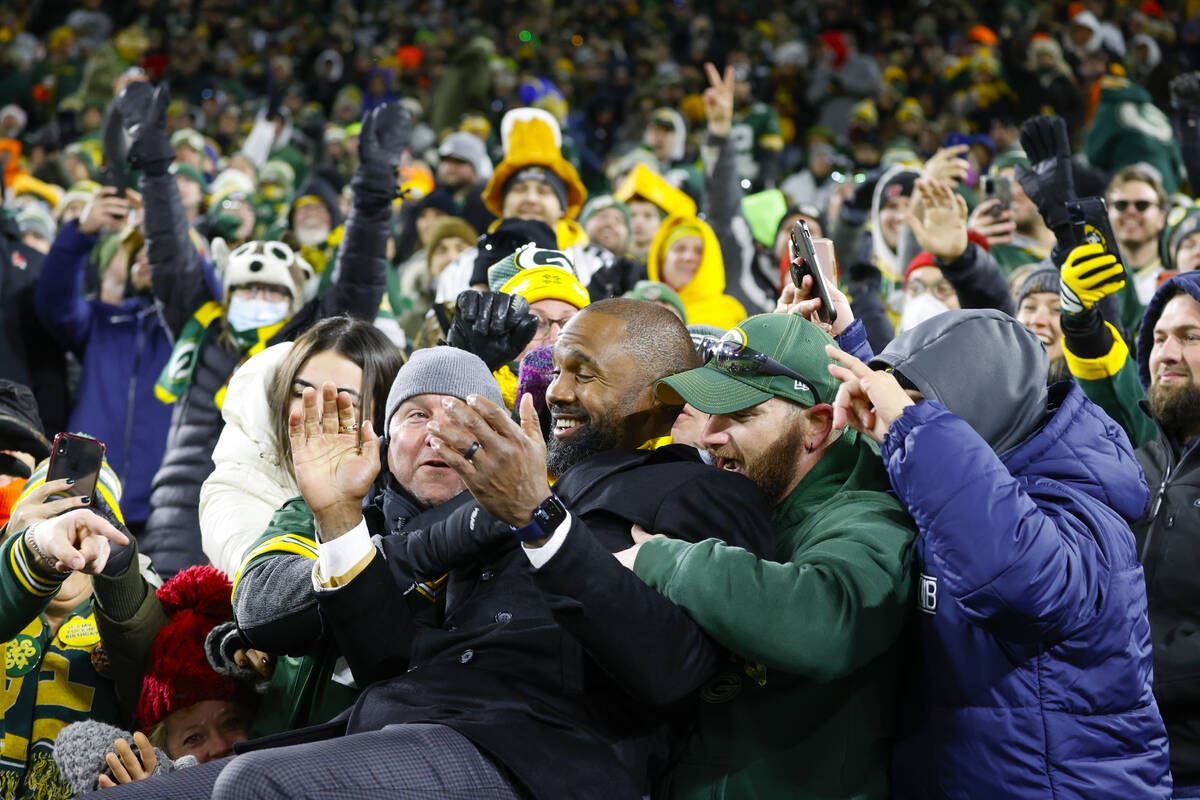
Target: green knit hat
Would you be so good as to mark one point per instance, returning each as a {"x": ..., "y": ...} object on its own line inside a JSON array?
[
  {"x": 788, "y": 339},
  {"x": 601, "y": 202},
  {"x": 188, "y": 171},
  {"x": 528, "y": 256},
  {"x": 657, "y": 292}
]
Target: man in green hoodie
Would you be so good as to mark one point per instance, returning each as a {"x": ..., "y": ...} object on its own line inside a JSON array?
[{"x": 808, "y": 709}]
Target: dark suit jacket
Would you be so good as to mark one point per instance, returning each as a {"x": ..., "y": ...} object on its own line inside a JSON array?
[{"x": 569, "y": 676}]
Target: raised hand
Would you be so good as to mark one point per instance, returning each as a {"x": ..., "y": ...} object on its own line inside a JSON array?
[
  {"x": 997, "y": 229},
  {"x": 386, "y": 133},
  {"x": 492, "y": 325},
  {"x": 335, "y": 461},
  {"x": 940, "y": 224},
  {"x": 947, "y": 165},
  {"x": 104, "y": 212},
  {"x": 718, "y": 100},
  {"x": 799, "y": 300},
  {"x": 128, "y": 766},
  {"x": 868, "y": 400},
  {"x": 1050, "y": 184},
  {"x": 1089, "y": 274},
  {"x": 506, "y": 473},
  {"x": 143, "y": 111},
  {"x": 77, "y": 540}
]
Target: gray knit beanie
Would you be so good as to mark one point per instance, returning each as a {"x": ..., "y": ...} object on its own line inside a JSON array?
[
  {"x": 81, "y": 747},
  {"x": 442, "y": 370}
]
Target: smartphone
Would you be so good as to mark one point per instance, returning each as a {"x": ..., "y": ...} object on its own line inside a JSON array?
[
  {"x": 1090, "y": 225},
  {"x": 805, "y": 261},
  {"x": 78, "y": 457},
  {"x": 112, "y": 171},
  {"x": 997, "y": 187}
]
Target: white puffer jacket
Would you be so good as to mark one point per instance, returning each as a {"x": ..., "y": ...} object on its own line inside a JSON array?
[{"x": 249, "y": 483}]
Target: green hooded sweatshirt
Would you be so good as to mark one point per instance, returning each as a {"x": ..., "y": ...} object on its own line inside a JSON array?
[{"x": 810, "y": 710}]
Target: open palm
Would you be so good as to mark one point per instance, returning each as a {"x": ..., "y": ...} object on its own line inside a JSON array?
[{"x": 334, "y": 465}]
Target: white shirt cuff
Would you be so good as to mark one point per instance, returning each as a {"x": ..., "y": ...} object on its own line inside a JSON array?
[
  {"x": 540, "y": 555},
  {"x": 338, "y": 557}
]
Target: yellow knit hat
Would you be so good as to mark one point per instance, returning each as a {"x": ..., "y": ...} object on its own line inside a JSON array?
[{"x": 548, "y": 283}]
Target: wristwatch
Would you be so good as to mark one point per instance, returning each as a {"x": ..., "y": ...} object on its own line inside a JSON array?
[{"x": 546, "y": 519}]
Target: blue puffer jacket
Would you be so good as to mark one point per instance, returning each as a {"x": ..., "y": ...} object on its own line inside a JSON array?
[
  {"x": 123, "y": 349},
  {"x": 1037, "y": 669}
]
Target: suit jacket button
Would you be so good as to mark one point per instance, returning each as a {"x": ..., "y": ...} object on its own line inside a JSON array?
[
  {"x": 487, "y": 575},
  {"x": 466, "y": 656},
  {"x": 503, "y": 617}
]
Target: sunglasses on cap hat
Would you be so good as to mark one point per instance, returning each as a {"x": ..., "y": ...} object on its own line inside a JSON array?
[{"x": 737, "y": 359}]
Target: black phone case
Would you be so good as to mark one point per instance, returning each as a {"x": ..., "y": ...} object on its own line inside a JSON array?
[
  {"x": 1089, "y": 224},
  {"x": 76, "y": 457}
]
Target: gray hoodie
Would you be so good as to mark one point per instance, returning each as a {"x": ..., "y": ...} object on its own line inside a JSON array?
[{"x": 981, "y": 364}]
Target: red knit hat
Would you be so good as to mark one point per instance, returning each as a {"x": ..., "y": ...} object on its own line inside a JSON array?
[
  {"x": 177, "y": 673},
  {"x": 921, "y": 259}
]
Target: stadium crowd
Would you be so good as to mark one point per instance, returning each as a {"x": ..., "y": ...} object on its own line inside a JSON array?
[{"x": 444, "y": 399}]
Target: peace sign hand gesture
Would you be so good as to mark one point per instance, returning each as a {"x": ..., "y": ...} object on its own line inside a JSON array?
[{"x": 718, "y": 100}]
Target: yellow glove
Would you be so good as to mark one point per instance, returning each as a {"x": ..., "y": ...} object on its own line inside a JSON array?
[{"x": 1089, "y": 274}]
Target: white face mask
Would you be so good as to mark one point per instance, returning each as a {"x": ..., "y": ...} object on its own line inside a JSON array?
[
  {"x": 312, "y": 235},
  {"x": 248, "y": 313},
  {"x": 920, "y": 308}
]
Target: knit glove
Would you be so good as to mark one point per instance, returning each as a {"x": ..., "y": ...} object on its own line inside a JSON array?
[
  {"x": 1089, "y": 274},
  {"x": 220, "y": 645},
  {"x": 464, "y": 536},
  {"x": 143, "y": 111},
  {"x": 382, "y": 143},
  {"x": 492, "y": 325},
  {"x": 1051, "y": 182}
]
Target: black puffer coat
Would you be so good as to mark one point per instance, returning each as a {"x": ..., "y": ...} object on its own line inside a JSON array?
[{"x": 172, "y": 537}]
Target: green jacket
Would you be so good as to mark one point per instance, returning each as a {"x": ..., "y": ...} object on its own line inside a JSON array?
[
  {"x": 1111, "y": 382},
  {"x": 812, "y": 710},
  {"x": 303, "y": 689}
]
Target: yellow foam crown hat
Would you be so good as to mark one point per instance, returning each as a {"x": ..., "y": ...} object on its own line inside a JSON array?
[
  {"x": 647, "y": 184},
  {"x": 531, "y": 137}
]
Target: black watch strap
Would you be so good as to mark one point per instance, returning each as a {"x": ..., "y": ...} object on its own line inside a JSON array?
[{"x": 546, "y": 519}]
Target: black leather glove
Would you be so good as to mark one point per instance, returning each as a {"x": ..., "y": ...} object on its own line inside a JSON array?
[
  {"x": 1050, "y": 184},
  {"x": 468, "y": 533},
  {"x": 1185, "y": 92},
  {"x": 494, "y": 326},
  {"x": 143, "y": 111}
]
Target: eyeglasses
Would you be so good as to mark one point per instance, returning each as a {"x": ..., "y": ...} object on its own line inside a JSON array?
[
  {"x": 737, "y": 359},
  {"x": 268, "y": 292},
  {"x": 544, "y": 324},
  {"x": 941, "y": 289},
  {"x": 1141, "y": 205}
]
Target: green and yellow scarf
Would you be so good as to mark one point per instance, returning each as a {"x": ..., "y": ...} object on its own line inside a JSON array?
[{"x": 176, "y": 376}]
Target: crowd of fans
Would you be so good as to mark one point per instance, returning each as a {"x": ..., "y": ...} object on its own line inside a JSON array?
[{"x": 473, "y": 426}]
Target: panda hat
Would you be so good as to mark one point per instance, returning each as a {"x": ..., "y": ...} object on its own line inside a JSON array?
[{"x": 272, "y": 263}]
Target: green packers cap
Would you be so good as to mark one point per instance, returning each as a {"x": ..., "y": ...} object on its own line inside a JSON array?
[{"x": 787, "y": 338}]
